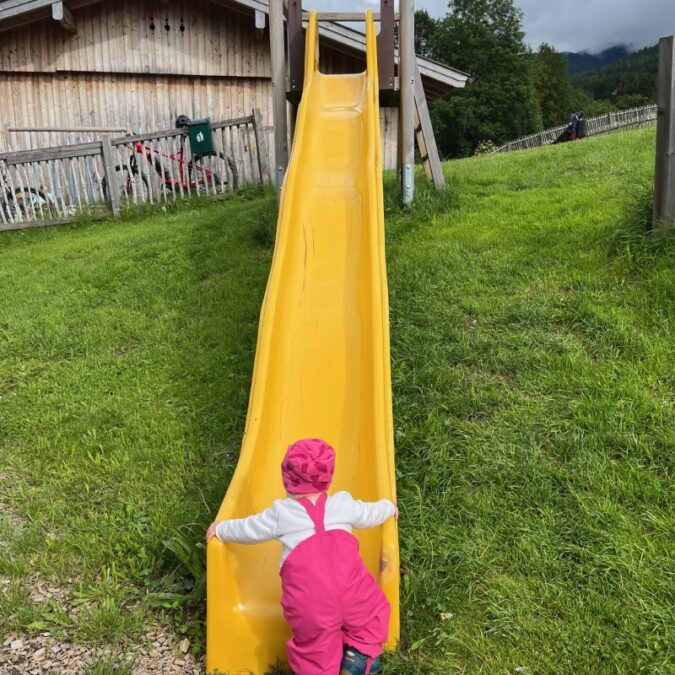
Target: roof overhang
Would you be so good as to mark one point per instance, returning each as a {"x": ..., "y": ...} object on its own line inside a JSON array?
[
  {"x": 15, "y": 13},
  {"x": 438, "y": 79}
]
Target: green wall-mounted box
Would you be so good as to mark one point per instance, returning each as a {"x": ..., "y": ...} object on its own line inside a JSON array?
[{"x": 201, "y": 137}]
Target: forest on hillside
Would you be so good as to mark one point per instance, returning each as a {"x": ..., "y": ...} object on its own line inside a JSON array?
[
  {"x": 582, "y": 62},
  {"x": 516, "y": 90},
  {"x": 629, "y": 82}
]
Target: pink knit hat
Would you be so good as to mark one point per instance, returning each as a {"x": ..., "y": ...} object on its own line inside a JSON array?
[{"x": 308, "y": 466}]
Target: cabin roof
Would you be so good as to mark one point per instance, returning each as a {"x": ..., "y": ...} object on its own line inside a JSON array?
[{"x": 438, "y": 78}]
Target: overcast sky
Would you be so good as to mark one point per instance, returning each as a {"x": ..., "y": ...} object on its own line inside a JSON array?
[{"x": 569, "y": 25}]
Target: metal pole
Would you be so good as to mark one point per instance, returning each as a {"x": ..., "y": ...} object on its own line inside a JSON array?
[
  {"x": 278, "y": 92},
  {"x": 406, "y": 70},
  {"x": 664, "y": 174}
]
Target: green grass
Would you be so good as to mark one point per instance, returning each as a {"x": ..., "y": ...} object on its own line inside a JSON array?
[
  {"x": 125, "y": 358},
  {"x": 532, "y": 345},
  {"x": 532, "y": 361}
]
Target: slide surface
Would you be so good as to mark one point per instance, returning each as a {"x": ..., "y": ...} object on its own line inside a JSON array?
[{"x": 322, "y": 366}]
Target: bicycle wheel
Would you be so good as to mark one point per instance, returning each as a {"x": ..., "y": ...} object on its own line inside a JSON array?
[
  {"x": 7, "y": 211},
  {"x": 132, "y": 186},
  {"x": 30, "y": 204},
  {"x": 207, "y": 173}
]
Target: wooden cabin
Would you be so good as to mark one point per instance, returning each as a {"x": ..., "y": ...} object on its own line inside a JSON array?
[{"x": 138, "y": 64}]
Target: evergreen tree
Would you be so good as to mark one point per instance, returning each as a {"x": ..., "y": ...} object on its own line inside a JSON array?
[
  {"x": 485, "y": 39},
  {"x": 425, "y": 33},
  {"x": 553, "y": 86},
  {"x": 634, "y": 75}
]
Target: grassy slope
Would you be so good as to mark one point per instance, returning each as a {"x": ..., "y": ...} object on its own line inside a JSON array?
[
  {"x": 532, "y": 365},
  {"x": 125, "y": 359},
  {"x": 534, "y": 389}
]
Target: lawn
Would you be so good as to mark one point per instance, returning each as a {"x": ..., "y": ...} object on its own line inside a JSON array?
[
  {"x": 125, "y": 358},
  {"x": 534, "y": 392}
]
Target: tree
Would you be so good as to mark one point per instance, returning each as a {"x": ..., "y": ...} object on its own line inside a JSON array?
[
  {"x": 425, "y": 33},
  {"x": 552, "y": 85},
  {"x": 485, "y": 39},
  {"x": 634, "y": 75}
]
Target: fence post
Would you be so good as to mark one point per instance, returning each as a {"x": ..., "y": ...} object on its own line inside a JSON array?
[
  {"x": 261, "y": 143},
  {"x": 664, "y": 173},
  {"x": 111, "y": 178}
]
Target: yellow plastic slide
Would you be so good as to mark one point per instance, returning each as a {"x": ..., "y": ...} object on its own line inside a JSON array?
[{"x": 322, "y": 366}]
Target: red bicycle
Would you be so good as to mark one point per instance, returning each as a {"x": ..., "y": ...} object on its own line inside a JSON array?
[{"x": 210, "y": 174}]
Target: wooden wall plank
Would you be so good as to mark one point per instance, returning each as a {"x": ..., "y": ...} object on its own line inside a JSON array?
[
  {"x": 143, "y": 103},
  {"x": 117, "y": 72}
]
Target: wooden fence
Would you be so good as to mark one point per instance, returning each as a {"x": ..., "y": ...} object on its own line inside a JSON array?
[
  {"x": 602, "y": 124},
  {"x": 92, "y": 180}
]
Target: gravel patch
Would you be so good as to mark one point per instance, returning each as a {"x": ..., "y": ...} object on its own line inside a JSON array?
[
  {"x": 41, "y": 654},
  {"x": 159, "y": 651}
]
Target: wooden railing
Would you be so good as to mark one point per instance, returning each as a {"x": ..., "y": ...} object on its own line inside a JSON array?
[
  {"x": 602, "y": 124},
  {"x": 92, "y": 180}
]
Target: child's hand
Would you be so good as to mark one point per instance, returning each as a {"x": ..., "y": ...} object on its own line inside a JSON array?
[
  {"x": 396, "y": 511},
  {"x": 211, "y": 532}
]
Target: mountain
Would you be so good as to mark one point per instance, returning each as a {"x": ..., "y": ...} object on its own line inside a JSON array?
[
  {"x": 582, "y": 62},
  {"x": 633, "y": 76}
]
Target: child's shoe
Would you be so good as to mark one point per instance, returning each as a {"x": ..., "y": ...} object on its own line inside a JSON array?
[{"x": 355, "y": 663}]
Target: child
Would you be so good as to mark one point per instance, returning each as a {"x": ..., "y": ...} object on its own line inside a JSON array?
[{"x": 338, "y": 614}]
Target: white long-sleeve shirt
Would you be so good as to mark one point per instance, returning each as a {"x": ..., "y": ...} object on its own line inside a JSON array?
[{"x": 288, "y": 521}]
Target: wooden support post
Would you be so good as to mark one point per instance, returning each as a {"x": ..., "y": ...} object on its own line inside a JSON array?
[
  {"x": 62, "y": 14},
  {"x": 385, "y": 47},
  {"x": 426, "y": 140},
  {"x": 664, "y": 174},
  {"x": 276, "y": 18},
  {"x": 110, "y": 175},
  {"x": 406, "y": 70},
  {"x": 293, "y": 119},
  {"x": 296, "y": 48},
  {"x": 261, "y": 143},
  {"x": 399, "y": 164}
]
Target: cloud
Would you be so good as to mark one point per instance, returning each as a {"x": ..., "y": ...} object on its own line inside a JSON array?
[
  {"x": 596, "y": 24},
  {"x": 568, "y": 25}
]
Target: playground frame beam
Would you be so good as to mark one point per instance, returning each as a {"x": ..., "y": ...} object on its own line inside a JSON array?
[
  {"x": 407, "y": 70},
  {"x": 664, "y": 172},
  {"x": 279, "y": 113},
  {"x": 407, "y": 74},
  {"x": 385, "y": 47}
]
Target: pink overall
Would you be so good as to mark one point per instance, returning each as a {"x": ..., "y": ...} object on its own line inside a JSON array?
[{"x": 330, "y": 599}]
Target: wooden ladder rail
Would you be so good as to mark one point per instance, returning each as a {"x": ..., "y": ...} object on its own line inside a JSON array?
[{"x": 424, "y": 133}]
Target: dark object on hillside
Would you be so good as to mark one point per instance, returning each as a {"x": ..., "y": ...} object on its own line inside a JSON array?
[{"x": 575, "y": 129}]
